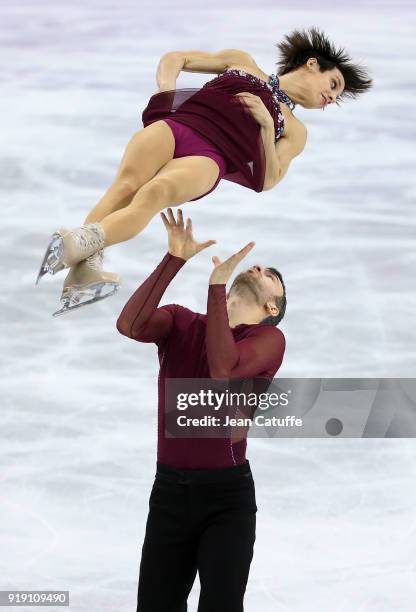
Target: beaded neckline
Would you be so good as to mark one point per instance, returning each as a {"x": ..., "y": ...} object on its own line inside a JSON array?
[{"x": 272, "y": 84}]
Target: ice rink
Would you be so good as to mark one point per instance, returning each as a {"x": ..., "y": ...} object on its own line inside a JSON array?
[{"x": 336, "y": 526}]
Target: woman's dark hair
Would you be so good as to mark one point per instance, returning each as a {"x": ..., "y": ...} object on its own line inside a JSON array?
[
  {"x": 299, "y": 46},
  {"x": 280, "y": 302}
]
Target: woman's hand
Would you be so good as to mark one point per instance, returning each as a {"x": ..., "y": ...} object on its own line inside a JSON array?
[
  {"x": 256, "y": 107},
  {"x": 180, "y": 239},
  {"x": 222, "y": 271}
]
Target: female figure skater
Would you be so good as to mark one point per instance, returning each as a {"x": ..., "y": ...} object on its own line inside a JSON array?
[{"x": 239, "y": 126}]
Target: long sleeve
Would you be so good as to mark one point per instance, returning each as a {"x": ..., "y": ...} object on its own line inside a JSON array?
[
  {"x": 140, "y": 318},
  {"x": 260, "y": 351}
]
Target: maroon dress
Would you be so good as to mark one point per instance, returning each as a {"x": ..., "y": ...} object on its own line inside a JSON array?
[{"x": 222, "y": 118}]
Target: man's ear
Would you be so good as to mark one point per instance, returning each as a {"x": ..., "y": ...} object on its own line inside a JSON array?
[{"x": 272, "y": 309}]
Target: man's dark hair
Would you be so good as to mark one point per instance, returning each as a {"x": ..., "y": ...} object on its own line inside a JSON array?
[
  {"x": 280, "y": 302},
  {"x": 299, "y": 46}
]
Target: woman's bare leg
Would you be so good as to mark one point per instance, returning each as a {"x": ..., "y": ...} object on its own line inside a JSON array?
[
  {"x": 179, "y": 181},
  {"x": 146, "y": 153}
]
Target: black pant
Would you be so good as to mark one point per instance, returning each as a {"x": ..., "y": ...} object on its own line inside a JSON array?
[{"x": 199, "y": 520}]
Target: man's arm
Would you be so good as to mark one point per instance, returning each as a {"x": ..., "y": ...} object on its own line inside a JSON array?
[
  {"x": 280, "y": 154},
  {"x": 140, "y": 318},
  {"x": 262, "y": 350}
]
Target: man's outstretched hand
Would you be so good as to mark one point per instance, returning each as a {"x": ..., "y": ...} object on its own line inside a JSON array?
[
  {"x": 180, "y": 240},
  {"x": 222, "y": 271}
]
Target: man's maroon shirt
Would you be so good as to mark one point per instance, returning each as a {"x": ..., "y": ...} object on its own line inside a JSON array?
[{"x": 195, "y": 345}]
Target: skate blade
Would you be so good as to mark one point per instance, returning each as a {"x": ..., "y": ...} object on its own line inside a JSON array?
[
  {"x": 52, "y": 260},
  {"x": 94, "y": 293}
]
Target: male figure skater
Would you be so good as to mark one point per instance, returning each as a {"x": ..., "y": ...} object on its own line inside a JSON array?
[{"x": 202, "y": 508}]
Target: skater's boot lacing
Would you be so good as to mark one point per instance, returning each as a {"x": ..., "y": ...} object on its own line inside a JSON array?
[
  {"x": 82, "y": 242},
  {"x": 95, "y": 261}
]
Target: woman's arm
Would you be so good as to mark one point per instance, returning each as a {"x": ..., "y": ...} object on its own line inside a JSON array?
[
  {"x": 284, "y": 150},
  {"x": 168, "y": 70},
  {"x": 267, "y": 132},
  {"x": 171, "y": 64}
]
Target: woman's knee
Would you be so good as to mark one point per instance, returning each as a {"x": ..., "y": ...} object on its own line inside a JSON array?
[
  {"x": 129, "y": 178},
  {"x": 156, "y": 194},
  {"x": 123, "y": 188}
]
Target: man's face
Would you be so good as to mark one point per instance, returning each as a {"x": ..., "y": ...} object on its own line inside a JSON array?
[{"x": 261, "y": 281}]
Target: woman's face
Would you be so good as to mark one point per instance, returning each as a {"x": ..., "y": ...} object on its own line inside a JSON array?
[{"x": 322, "y": 88}]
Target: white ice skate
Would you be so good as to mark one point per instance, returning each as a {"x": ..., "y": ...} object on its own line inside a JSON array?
[
  {"x": 68, "y": 247},
  {"x": 87, "y": 283}
]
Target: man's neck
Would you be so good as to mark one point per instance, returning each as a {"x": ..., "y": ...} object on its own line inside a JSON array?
[{"x": 239, "y": 312}]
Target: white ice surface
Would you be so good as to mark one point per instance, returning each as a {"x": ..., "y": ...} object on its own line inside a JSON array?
[{"x": 336, "y": 521}]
